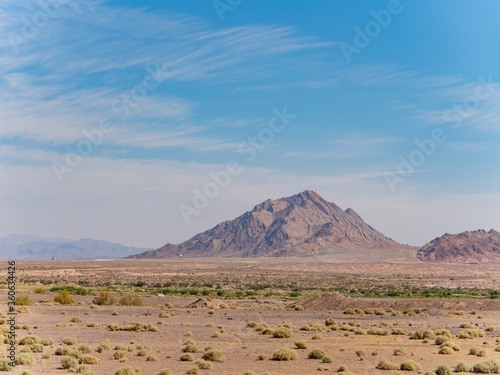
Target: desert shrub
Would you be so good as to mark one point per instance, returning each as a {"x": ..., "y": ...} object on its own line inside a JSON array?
[
  {"x": 490, "y": 366},
  {"x": 313, "y": 327},
  {"x": 134, "y": 326},
  {"x": 490, "y": 329},
  {"x": 285, "y": 354},
  {"x": 327, "y": 359},
  {"x": 189, "y": 334},
  {"x": 76, "y": 319},
  {"x": 26, "y": 372},
  {"x": 62, "y": 350},
  {"x": 119, "y": 354},
  {"x": 214, "y": 355},
  {"x": 84, "y": 349},
  {"x": 466, "y": 325},
  {"x": 249, "y": 373},
  {"x": 29, "y": 340},
  {"x": 125, "y": 371},
  {"x": 4, "y": 365},
  {"x": 441, "y": 340},
  {"x": 462, "y": 366},
  {"x": 89, "y": 360},
  {"x": 451, "y": 344},
  {"x": 23, "y": 301},
  {"x": 141, "y": 353},
  {"x": 386, "y": 365},
  {"x": 164, "y": 314},
  {"x": 420, "y": 335},
  {"x": 25, "y": 359},
  {"x": 282, "y": 333},
  {"x": 69, "y": 340},
  {"x": 64, "y": 298},
  {"x": 443, "y": 370},
  {"x": 26, "y": 349},
  {"x": 399, "y": 352},
  {"x": 497, "y": 349},
  {"x": 316, "y": 354},
  {"x": 75, "y": 354},
  {"x": 193, "y": 370},
  {"x": 317, "y": 336},
  {"x": 47, "y": 342},
  {"x": 410, "y": 365},
  {"x": 399, "y": 331},
  {"x": 331, "y": 323},
  {"x": 204, "y": 365},
  {"x": 379, "y": 332},
  {"x": 121, "y": 347},
  {"x": 187, "y": 357},
  {"x": 251, "y": 324},
  {"x": 104, "y": 298},
  {"x": 301, "y": 344},
  {"x": 165, "y": 371},
  {"x": 475, "y": 350},
  {"x": 190, "y": 348},
  {"x": 130, "y": 300},
  {"x": 445, "y": 350},
  {"x": 360, "y": 353},
  {"x": 152, "y": 358},
  {"x": 262, "y": 357},
  {"x": 37, "y": 348},
  {"x": 69, "y": 363}
]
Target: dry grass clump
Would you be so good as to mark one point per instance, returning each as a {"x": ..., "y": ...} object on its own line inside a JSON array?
[
  {"x": 63, "y": 350},
  {"x": 84, "y": 349},
  {"x": 131, "y": 300},
  {"x": 285, "y": 354},
  {"x": 190, "y": 348},
  {"x": 301, "y": 344},
  {"x": 76, "y": 319},
  {"x": 165, "y": 371},
  {"x": 134, "y": 326},
  {"x": 445, "y": 350},
  {"x": 490, "y": 329},
  {"x": 399, "y": 352},
  {"x": 187, "y": 357},
  {"x": 476, "y": 350},
  {"x": 462, "y": 366},
  {"x": 23, "y": 301},
  {"x": 25, "y": 359},
  {"x": 69, "y": 363},
  {"x": 313, "y": 327},
  {"x": 443, "y": 370},
  {"x": 316, "y": 354},
  {"x": 69, "y": 340},
  {"x": 466, "y": 325},
  {"x": 94, "y": 325},
  {"x": 317, "y": 336},
  {"x": 354, "y": 312},
  {"x": 379, "y": 332},
  {"x": 164, "y": 314},
  {"x": 327, "y": 359},
  {"x": 451, "y": 344},
  {"x": 471, "y": 333},
  {"x": 204, "y": 365},
  {"x": 119, "y": 354},
  {"x": 490, "y": 366},
  {"x": 399, "y": 331},
  {"x": 193, "y": 370},
  {"x": 126, "y": 371},
  {"x": 214, "y": 355},
  {"x": 4, "y": 365},
  {"x": 152, "y": 358},
  {"x": 262, "y": 357},
  {"x": 282, "y": 333},
  {"x": 104, "y": 298},
  {"x": 386, "y": 365},
  {"x": 29, "y": 340},
  {"x": 89, "y": 360},
  {"x": 421, "y": 335},
  {"x": 331, "y": 323},
  {"x": 410, "y": 365},
  {"x": 141, "y": 353}
]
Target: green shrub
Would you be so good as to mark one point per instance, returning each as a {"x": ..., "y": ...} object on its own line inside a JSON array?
[
  {"x": 285, "y": 354},
  {"x": 64, "y": 298}
]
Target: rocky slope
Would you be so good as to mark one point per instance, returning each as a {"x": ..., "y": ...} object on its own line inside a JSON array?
[
  {"x": 303, "y": 224},
  {"x": 478, "y": 246}
]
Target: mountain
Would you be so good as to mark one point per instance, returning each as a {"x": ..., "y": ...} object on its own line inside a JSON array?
[
  {"x": 303, "y": 224},
  {"x": 477, "y": 246},
  {"x": 28, "y": 247}
]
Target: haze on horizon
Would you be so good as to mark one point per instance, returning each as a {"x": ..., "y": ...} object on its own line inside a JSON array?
[{"x": 403, "y": 127}]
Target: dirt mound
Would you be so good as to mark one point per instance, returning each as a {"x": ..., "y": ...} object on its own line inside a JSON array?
[
  {"x": 337, "y": 301},
  {"x": 205, "y": 304}
]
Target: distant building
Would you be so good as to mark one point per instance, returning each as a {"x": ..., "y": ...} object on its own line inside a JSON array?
[{"x": 53, "y": 258}]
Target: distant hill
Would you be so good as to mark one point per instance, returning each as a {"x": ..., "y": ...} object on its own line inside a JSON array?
[
  {"x": 28, "y": 247},
  {"x": 299, "y": 225},
  {"x": 468, "y": 247}
]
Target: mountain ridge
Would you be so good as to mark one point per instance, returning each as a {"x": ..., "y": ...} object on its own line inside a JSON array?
[{"x": 292, "y": 226}]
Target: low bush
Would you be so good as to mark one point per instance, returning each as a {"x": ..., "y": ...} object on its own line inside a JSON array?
[
  {"x": 69, "y": 363},
  {"x": 214, "y": 355},
  {"x": 285, "y": 354},
  {"x": 316, "y": 354},
  {"x": 443, "y": 370},
  {"x": 462, "y": 366},
  {"x": 490, "y": 366},
  {"x": 282, "y": 333},
  {"x": 301, "y": 344},
  {"x": 386, "y": 365},
  {"x": 410, "y": 365}
]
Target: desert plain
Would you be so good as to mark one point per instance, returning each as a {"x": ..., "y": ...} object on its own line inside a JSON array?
[{"x": 233, "y": 316}]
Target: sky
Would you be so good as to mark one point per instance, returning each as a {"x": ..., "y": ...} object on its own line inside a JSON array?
[{"x": 147, "y": 122}]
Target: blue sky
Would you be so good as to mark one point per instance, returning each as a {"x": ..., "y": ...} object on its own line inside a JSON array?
[{"x": 356, "y": 119}]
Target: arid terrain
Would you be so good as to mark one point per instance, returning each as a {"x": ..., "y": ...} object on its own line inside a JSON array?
[{"x": 166, "y": 309}]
